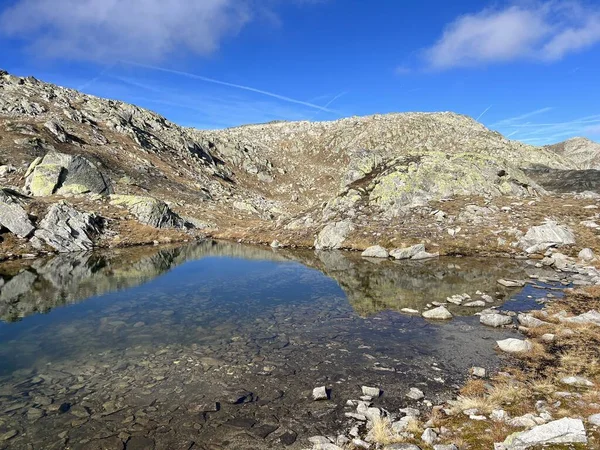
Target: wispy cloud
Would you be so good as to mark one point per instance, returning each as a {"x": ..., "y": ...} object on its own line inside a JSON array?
[
  {"x": 538, "y": 31},
  {"x": 231, "y": 85},
  {"x": 517, "y": 119}
]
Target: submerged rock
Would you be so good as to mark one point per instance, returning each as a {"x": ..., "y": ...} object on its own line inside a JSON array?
[
  {"x": 563, "y": 431},
  {"x": 149, "y": 211},
  {"x": 68, "y": 230}
]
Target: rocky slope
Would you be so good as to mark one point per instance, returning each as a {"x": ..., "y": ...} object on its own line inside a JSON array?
[
  {"x": 581, "y": 152},
  {"x": 324, "y": 184}
]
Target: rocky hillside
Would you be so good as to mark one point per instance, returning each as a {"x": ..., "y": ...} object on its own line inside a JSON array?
[
  {"x": 581, "y": 152},
  {"x": 77, "y": 171}
]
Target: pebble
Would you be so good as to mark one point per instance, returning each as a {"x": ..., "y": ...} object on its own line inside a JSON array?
[
  {"x": 372, "y": 392},
  {"x": 415, "y": 394},
  {"x": 320, "y": 393}
]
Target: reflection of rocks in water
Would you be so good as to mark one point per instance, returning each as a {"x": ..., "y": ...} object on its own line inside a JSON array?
[{"x": 376, "y": 285}]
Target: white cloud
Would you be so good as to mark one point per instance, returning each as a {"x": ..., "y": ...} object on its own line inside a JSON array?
[
  {"x": 540, "y": 31},
  {"x": 108, "y": 30}
]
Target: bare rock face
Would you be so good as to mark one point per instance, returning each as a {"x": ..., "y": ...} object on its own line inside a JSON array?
[
  {"x": 59, "y": 173},
  {"x": 12, "y": 215},
  {"x": 68, "y": 230},
  {"x": 583, "y": 153}
]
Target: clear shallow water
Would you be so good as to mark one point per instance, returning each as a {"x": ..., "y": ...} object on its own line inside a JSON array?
[{"x": 219, "y": 345}]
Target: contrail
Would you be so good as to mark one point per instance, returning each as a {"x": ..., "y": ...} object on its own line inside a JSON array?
[
  {"x": 341, "y": 94},
  {"x": 237, "y": 86},
  {"x": 481, "y": 115},
  {"x": 97, "y": 77}
]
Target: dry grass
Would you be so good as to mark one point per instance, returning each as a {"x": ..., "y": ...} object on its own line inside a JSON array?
[{"x": 382, "y": 432}]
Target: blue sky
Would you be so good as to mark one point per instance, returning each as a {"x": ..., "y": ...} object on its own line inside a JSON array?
[{"x": 528, "y": 69}]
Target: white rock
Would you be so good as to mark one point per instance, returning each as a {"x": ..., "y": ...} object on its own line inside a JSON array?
[
  {"x": 499, "y": 415},
  {"x": 320, "y": 393},
  {"x": 409, "y": 311},
  {"x": 576, "y": 381},
  {"x": 425, "y": 255},
  {"x": 475, "y": 304},
  {"x": 478, "y": 372},
  {"x": 415, "y": 394},
  {"x": 592, "y": 316},
  {"x": 530, "y": 322},
  {"x": 495, "y": 320},
  {"x": 547, "y": 337},
  {"x": 512, "y": 345},
  {"x": 407, "y": 253},
  {"x": 376, "y": 251},
  {"x": 429, "y": 436},
  {"x": 439, "y": 313},
  {"x": 511, "y": 283},
  {"x": 526, "y": 421},
  {"x": 547, "y": 235},
  {"x": 373, "y": 392},
  {"x": 594, "y": 419},
  {"x": 445, "y": 447},
  {"x": 586, "y": 254},
  {"x": 563, "y": 431}
]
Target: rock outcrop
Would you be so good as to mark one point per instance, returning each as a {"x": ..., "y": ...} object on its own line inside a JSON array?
[{"x": 67, "y": 230}]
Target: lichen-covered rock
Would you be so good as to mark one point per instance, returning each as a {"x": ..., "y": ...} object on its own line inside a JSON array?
[
  {"x": 12, "y": 215},
  {"x": 59, "y": 173},
  {"x": 149, "y": 211},
  {"x": 332, "y": 236},
  {"x": 67, "y": 230}
]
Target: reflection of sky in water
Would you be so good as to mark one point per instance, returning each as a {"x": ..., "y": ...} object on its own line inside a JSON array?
[{"x": 231, "y": 292}]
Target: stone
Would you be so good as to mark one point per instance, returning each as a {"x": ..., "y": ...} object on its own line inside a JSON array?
[
  {"x": 495, "y": 320},
  {"x": 65, "y": 174},
  {"x": 594, "y": 419},
  {"x": 333, "y": 235},
  {"x": 439, "y": 313},
  {"x": 68, "y": 230},
  {"x": 140, "y": 443},
  {"x": 475, "y": 304},
  {"x": 415, "y": 394},
  {"x": 54, "y": 127},
  {"x": 373, "y": 392},
  {"x": 407, "y": 253},
  {"x": 320, "y": 393},
  {"x": 6, "y": 169},
  {"x": 429, "y": 436},
  {"x": 512, "y": 345},
  {"x": 149, "y": 211},
  {"x": 530, "y": 322},
  {"x": 424, "y": 255},
  {"x": 592, "y": 317},
  {"x": 548, "y": 235},
  {"x": 401, "y": 425},
  {"x": 576, "y": 381},
  {"x": 8, "y": 435},
  {"x": 525, "y": 421},
  {"x": 401, "y": 447},
  {"x": 275, "y": 244},
  {"x": 445, "y": 447},
  {"x": 375, "y": 251},
  {"x": 511, "y": 283},
  {"x": 586, "y": 254},
  {"x": 547, "y": 337},
  {"x": 478, "y": 372},
  {"x": 563, "y": 431},
  {"x": 12, "y": 215},
  {"x": 499, "y": 415}
]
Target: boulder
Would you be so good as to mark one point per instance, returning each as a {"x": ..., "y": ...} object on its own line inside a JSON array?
[
  {"x": 59, "y": 173},
  {"x": 439, "y": 313},
  {"x": 68, "y": 230},
  {"x": 576, "y": 381},
  {"x": 550, "y": 234},
  {"x": 563, "y": 431},
  {"x": 333, "y": 235},
  {"x": 375, "y": 251},
  {"x": 592, "y": 317},
  {"x": 149, "y": 211},
  {"x": 512, "y": 345},
  {"x": 12, "y": 215},
  {"x": 530, "y": 322},
  {"x": 586, "y": 254},
  {"x": 407, "y": 253},
  {"x": 495, "y": 320}
]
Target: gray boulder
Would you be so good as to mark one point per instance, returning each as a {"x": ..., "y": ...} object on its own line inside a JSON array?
[
  {"x": 12, "y": 215},
  {"x": 512, "y": 345},
  {"x": 407, "y": 253},
  {"x": 439, "y": 313},
  {"x": 550, "y": 234},
  {"x": 586, "y": 254},
  {"x": 59, "y": 173},
  {"x": 375, "y": 251},
  {"x": 530, "y": 322},
  {"x": 149, "y": 211},
  {"x": 563, "y": 431},
  {"x": 333, "y": 235},
  {"x": 68, "y": 230}
]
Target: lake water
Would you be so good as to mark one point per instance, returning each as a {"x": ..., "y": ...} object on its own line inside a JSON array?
[{"x": 217, "y": 345}]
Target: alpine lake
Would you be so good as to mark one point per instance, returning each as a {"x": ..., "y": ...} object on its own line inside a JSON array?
[{"x": 218, "y": 345}]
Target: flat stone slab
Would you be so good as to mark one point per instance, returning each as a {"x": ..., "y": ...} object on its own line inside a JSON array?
[{"x": 563, "y": 431}]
